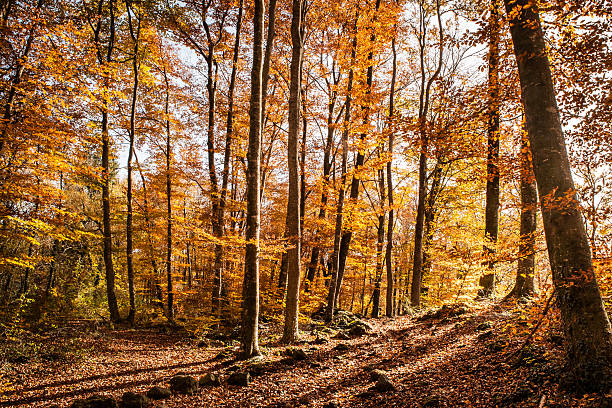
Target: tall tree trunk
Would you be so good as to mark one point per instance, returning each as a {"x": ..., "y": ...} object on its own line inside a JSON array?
[
  {"x": 347, "y": 235},
  {"x": 217, "y": 224},
  {"x": 104, "y": 58},
  {"x": 417, "y": 259},
  {"x": 135, "y": 35},
  {"x": 169, "y": 220},
  {"x": 585, "y": 322},
  {"x": 227, "y": 159},
  {"x": 389, "y": 251},
  {"x": 290, "y": 330},
  {"x": 529, "y": 200},
  {"x": 331, "y": 297},
  {"x": 492, "y": 198},
  {"x": 250, "y": 289}
]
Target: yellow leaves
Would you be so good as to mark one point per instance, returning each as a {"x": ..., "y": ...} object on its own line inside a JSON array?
[
  {"x": 19, "y": 262},
  {"x": 32, "y": 226}
]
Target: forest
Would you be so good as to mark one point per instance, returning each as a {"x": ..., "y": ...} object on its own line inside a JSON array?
[{"x": 305, "y": 203}]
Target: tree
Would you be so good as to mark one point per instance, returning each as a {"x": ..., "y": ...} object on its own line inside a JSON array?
[
  {"x": 335, "y": 277},
  {"x": 389, "y": 250},
  {"x": 585, "y": 322},
  {"x": 529, "y": 200},
  {"x": 424, "y": 98},
  {"x": 347, "y": 234},
  {"x": 290, "y": 330},
  {"x": 250, "y": 289},
  {"x": 380, "y": 241},
  {"x": 168, "y": 176},
  {"x": 135, "y": 36},
  {"x": 492, "y": 196},
  {"x": 104, "y": 55}
]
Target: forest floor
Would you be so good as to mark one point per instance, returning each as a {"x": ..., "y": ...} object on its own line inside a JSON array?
[{"x": 475, "y": 359}]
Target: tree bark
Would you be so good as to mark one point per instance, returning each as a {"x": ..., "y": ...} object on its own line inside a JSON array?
[
  {"x": 156, "y": 284},
  {"x": 219, "y": 198},
  {"x": 316, "y": 250},
  {"x": 417, "y": 260},
  {"x": 331, "y": 297},
  {"x": 389, "y": 249},
  {"x": 529, "y": 200},
  {"x": 169, "y": 220},
  {"x": 347, "y": 235},
  {"x": 492, "y": 197},
  {"x": 250, "y": 289},
  {"x": 585, "y": 322},
  {"x": 417, "y": 263},
  {"x": 290, "y": 330},
  {"x": 380, "y": 242},
  {"x": 217, "y": 223},
  {"x": 135, "y": 35},
  {"x": 104, "y": 60}
]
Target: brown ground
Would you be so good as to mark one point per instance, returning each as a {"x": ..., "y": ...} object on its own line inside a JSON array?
[{"x": 436, "y": 362}]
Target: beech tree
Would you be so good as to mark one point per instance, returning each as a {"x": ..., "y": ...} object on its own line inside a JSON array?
[
  {"x": 250, "y": 290},
  {"x": 492, "y": 197},
  {"x": 293, "y": 206},
  {"x": 585, "y": 321},
  {"x": 424, "y": 100},
  {"x": 104, "y": 53},
  {"x": 143, "y": 172},
  {"x": 135, "y": 36}
]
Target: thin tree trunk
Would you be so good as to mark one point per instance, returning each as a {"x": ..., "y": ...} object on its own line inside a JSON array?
[
  {"x": 331, "y": 298},
  {"x": 158, "y": 289},
  {"x": 135, "y": 35},
  {"x": 104, "y": 60},
  {"x": 417, "y": 260},
  {"x": 316, "y": 250},
  {"x": 492, "y": 198},
  {"x": 389, "y": 251},
  {"x": 219, "y": 198},
  {"x": 217, "y": 224},
  {"x": 347, "y": 235},
  {"x": 169, "y": 220},
  {"x": 585, "y": 322},
  {"x": 267, "y": 58},
  {"x": 417, "y": 265},
  {"x": 290, "y": 330},
  {"x": 250, "y": 289},
  {"x": 227, "y": 159}
]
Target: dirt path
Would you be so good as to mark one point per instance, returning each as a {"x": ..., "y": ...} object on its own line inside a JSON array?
[{"x": 447, "y": 362}]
